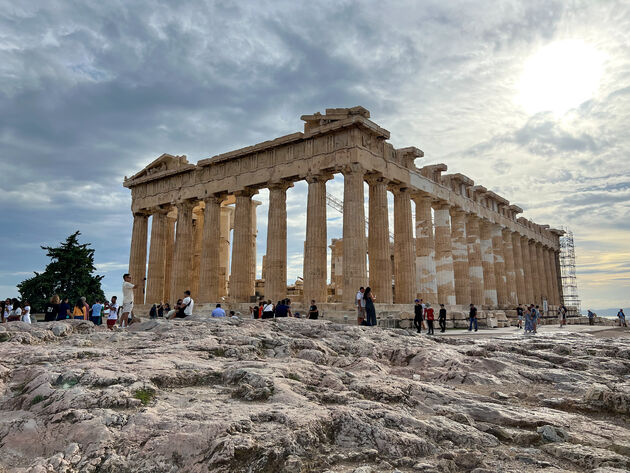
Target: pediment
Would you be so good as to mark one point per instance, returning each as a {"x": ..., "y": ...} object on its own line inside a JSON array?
[{"x": 164, "y": 165}]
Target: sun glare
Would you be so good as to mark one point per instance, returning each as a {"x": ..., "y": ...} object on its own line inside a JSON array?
[{"x": 560, "y": 76}]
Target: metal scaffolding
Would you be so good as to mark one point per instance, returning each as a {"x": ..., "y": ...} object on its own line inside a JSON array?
[
  {"x": 337, "y": 204},
  {"x": 567, "y": 272}
]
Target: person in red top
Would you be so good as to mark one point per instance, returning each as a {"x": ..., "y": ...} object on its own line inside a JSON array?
[{"x": 429, "y": 317}]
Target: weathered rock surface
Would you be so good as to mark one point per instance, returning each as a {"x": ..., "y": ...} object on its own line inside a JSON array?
[{"x": 297, "y": 396}]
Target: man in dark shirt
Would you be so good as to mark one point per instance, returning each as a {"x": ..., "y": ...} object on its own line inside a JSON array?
[
  {"x": 313, "y": 313},
  {"x": 282, "y": 309},
  {"x": 472, "y": 315},
  {"x": 64, "y": 310},
  {"x": 418, "y": 315},
  {"x": 519, "y": 315},
  {"x": 442, "y": 318}
]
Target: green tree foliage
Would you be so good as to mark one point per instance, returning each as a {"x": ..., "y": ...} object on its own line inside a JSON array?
[{"x": 70, "y": 273}]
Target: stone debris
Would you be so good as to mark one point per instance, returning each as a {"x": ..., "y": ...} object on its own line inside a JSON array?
[{"x": 290, "y": 395}]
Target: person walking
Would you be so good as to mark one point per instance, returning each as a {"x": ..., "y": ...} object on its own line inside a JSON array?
[
  {"x": 424, "y": 314},
  {"x": 127, "y": 304},
  {"x": 622, "y": 318},
  {"x": 519, "y": 316},
  {"x": 418, "y": 310},
  {"x": 370, "y": 311},
  {"x": 535, "y": 318},
  {"x": 528, "y": 320},
  {"x": 591, "y": 317},
  {"x": 472, "y": 317},
  {"x": 442, "y": 318},
  {"x": 97, "y": 309},
  {"x": 51, "y": 309},
  {"x": 564, "y": 314},
  {"x": 360, "y": 303},
  {"x": 430, "y": 316}
]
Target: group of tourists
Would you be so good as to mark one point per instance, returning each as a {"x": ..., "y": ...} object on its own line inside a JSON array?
[
  {"x": 266, "y": 309},
  {"x": 423, "y": 312},
  {"x": 14, "y": 310}
]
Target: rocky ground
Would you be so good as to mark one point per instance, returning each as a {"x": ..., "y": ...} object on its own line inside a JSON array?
[{"x": 299, "y": 396}]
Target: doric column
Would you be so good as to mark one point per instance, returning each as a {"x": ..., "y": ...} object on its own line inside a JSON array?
[
  {"x": 533, "y": 261},
  {"x": 252, "y": 254},
  {"x": 487, "y": 261},
  {"x": 240, "y": 279},
  {"x": 182, "y": 256},
  {"x": 227, "y": 219},
  {"x": 519, "y": 271},
  {"x": 528, "y": 271},
  {"x": 276, "y": 257},
  {"x": 460, "y": 256},
  {"x": 544, "y": 294},
  {"x": 510, "y": 272},
  {"x": 138, "y": 254},
  {"x": 556, "y": 259},
  {"x": 426, "y": 283},
  {"x": 404, "y": 248},
  {"x": 354, "y": 241},
  {"x": 195, "y": 267},
  {"x": 548, "y": 278},
  {"x": 168, "y": 258},
  {"x": 315, "y": 261},
  {"x": 157, "y": 257},
  {"x": 210, "y": 250},
  {"x": 554, "y": 277},
  {"x": 499, "y": 265},
  {"x": 475, "y": 267},
  {"x": 444, "y": 256},
  {"x": 378, "y": 240}
]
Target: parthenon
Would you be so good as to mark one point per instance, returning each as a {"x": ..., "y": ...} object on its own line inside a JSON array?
[{"x": 469, "y": 245}]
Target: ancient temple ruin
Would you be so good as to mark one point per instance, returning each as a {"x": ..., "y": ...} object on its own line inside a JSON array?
[{"x": 469, "y": 244}]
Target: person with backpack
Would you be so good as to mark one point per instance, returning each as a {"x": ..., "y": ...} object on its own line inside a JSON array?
[
  {"x": 519, "y": 315},
  {"x": 418, "y": 310},
  {"x": 442, "y": 318},
  {"x": 472, "y": 318},
  {"x": 622, "y": 318},
  {"x": 430, "y": 316}
]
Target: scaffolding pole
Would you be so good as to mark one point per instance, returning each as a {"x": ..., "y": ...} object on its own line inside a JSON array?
[{"x": 568, "y": 274}]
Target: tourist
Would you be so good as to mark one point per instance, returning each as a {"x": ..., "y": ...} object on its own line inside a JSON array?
[
  {"x": 4, "y": 313},
  {"x": 51, "y": 309},
  {"x": 87, "y": 307},
  {"x": 282, "y": 309},
  {"x": 430, "y": 317},
  {"x": 112, "y": 318},
  {"x": 15, "y": 311},
  {"x": 591, "y": 317},
  {"x": 64, "y": 310},
  {"x": 171, "y": 314},
  {"x": 79, "y": 312},
  {"x": 418, "y": 311},
  {"x": 97, "y": 309},
  {"x": 160, "y": 310},
  {"x": 260, "y": 309},
  {"x": 564, "y": 314},
  {"x": 187, "y": 305},
  {"x": 519, "y": 316},
  {"x": 153, "y": 312},
  {"x": 368, "y": 306},
  {"x": 26, "y": 313},
  {"x": 268, "y": 310},
  {"x": 127, "y": 304},
  {"x": 233, "y": 315},
  {"x": 424, "y": 315},
  {"x": 472, "y": 317},
  {"x": 218, "y": 311},
  {"x": 166, "y": 308},
  {"x": 360, "y": 302},
  {"x": 313, "y": 313},
  {"x": 535, "y": 318},
  {"x": 528, "y": 320},
  {"x": 622, "y": 318},
  {"x": 442, "y": 318}
]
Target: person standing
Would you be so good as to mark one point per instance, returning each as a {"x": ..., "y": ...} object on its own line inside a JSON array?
[
  {"x": 424, "y": 314},
  {"x": 268, "y": 310},
  {"x": 535, "y": 317},
  {"x": 97, "y": 309},
  {"x": 79, "y": 312},
  {"x": 442, "y": 318},
  {"x": 127, "y": 304},
  {"x": 430, "y": 316},
  {"x": 370, "y": 310},
  {"x": 591, "y": 317},
  {"x": 218, "y": 311},
  {"x": 64, "y": 310},
  {"x": 360, "y": 302},
  {"x": 313, "y": 313},
  {"x": 519, "y": 316},
  {"x": 112, "y": 318},
  {"x": 564, "y": 314},
  {"x": 418, "y": 311},
  {"x": 26, "y": 313},
  {"x": 472, "y": 317},
  {"x": 51, "y": 309},
  {"x": 87, "y": 308},
  {"x": 622, "y": 318},
  {"x": 528, "y": 320}
]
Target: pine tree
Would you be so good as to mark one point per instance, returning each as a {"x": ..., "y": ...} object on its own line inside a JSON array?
[{"x": 69, "y": 274}]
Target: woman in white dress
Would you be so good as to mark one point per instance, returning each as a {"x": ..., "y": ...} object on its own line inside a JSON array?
[{"x": 26, "y": 313}]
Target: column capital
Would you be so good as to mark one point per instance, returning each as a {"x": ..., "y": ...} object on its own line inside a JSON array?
[
  {"x": 185, "y": 203},
  {"x": 398, "y": 188},
  {"x": 374, "y": 178},
  {"x": 456, "y": 211},
  {"x": 318, "y": 177},
  {"x": 246, "y": 192},
  {"x": 352, "y": 168},
  {"x": 280, "y": 185},
  {"x": 472, "y": 217},
  {"x": 142, "y": 213},
  {"x": 160, "y": 210},
  {"x": 441, "y": 205},
  {"x": 421, "y": 197},
  {"x": 217, "y": 198}
]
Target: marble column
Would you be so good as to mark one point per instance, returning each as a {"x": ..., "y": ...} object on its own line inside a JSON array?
[
  {"x": 521, "y": 292},
  {"x": 542, "y": 274},
  {"x": 426, "y": 283},
  {"x": 548, "y": 278},
  {"x": 475, "y": 266},
  {"x": 533, "y": 260},
  {"x": 499, "y": 265},
  {"x": 252, "y": 254},
  {"x": 182, "y": 255},
  {"x": 487, "y": 261},
  {"x": 168, "y": 258},
  {"x": 554, "y": 277},
  {"x": 196, "y": 254},
  {"x": 210, "y": 250},
  {"x": 227, "y": 220},
  {"x": 240, "y": 279},
  {"x": 404, "y": 248},
  {"x": 378, "y": 240},
  {"x": 510, "y": 271},
  {"x": 528, "y": 271},
  {"x": 276, "y": 257},
  {"x": 556, "y": 258},
  {"x": 138, "y": 254},
  {"x": 461, "y": 268},
  {"x": 354, "y": 241},
  {"x": 157, "y": 257},
  {"x": 444, "y": 256},
  {"x": 315, "y": 260}
]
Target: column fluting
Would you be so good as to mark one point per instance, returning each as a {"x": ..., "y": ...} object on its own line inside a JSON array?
[
  {"x": 315, "y": 261},
  {"x": 461, "y": 270},
  {"x": 138, "y": 254},
  {"x": 182, "y": 255},
  {"x": 210, "y": 250},
  {"x": 168, "y": 258},
  {"x": 404, "y": 248},
  {"x": 521, "y": 292},
  {"x": 475, "y": 266},
  {"x": 443, "y": 255},
  {"x": 276, "y": 257},
  {"x": 487, "y": 261},
  {"x": 533, "y": 260},
  {"x": 499, "y": 265},
  {"x": 528, "y": 271},
  {"x": 157, "y": 257},
  {"x": 240, "y": 290},
  {"x": 354, "y": 241},
  {"x": 542, "y": 274},
  {"x": 425, "y": 250},
  {"x": 510, "y": 271},
  {"x": 378, "y": 240}
]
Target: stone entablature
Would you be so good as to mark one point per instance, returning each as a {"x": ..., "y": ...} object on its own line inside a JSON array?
[{"x": 339, "y": 141}]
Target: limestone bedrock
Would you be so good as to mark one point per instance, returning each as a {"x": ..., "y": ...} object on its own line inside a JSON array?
[{"x": 293, "y": 395}]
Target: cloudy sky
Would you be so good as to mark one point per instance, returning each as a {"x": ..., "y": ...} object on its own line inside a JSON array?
[{"x": 529, "y": 98}]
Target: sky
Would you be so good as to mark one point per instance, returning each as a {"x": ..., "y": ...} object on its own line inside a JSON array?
[{"x": 529, "y": 98}]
